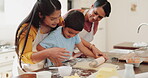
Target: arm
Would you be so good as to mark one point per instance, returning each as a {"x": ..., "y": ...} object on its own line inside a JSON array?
[
  {"x": 91, "y": 47},
  {"x": 34, "y": 57},
  {"x": 53, "y": 53},
  {"x": 56, "y": 61},
  {"x": 85, "y": 43},
  {"x": 30, "y": 57},
  {"x": 84, "y": 50}
]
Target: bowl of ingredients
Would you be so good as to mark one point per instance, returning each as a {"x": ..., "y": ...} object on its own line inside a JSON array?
[{"x": 135, "y": 61}]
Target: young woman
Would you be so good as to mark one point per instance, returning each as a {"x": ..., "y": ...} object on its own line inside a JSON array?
[
  {"x": 99, "y": 10},
  {"x": 43, "y": 18}
]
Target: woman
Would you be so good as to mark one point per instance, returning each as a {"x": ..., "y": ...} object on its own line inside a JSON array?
[
  {"x": 99, "y": 10},
  {"x": 43, "y": 18}
]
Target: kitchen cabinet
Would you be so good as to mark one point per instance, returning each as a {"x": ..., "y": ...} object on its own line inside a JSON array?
[{"x": 6, "y": 62}]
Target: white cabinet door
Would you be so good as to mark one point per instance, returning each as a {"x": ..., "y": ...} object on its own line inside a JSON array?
[{"x": 6, "y": 61}]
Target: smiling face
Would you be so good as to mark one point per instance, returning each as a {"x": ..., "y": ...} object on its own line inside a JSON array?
[
  {"x": 53, "y": 19},
  {"x": 95, "y": 14},
  {"x": 69, "y": 32}
]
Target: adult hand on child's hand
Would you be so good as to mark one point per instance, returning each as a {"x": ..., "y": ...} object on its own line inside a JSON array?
[{"x": 59, "y": 53}]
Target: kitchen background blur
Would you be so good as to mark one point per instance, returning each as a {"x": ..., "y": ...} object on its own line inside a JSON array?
[{"x": 121, "y": 26}]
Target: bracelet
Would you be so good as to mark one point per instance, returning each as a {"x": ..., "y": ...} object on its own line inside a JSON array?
[{"x": 90, "y": 47}]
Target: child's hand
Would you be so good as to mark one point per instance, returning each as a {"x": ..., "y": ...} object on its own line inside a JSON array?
[
  {"x": 79, "y": 55},
  {"x": 98, "y": 53}
]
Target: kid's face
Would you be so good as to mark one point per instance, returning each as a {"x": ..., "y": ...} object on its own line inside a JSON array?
[
  {"x": 95, "y": 14},
  {"x": 69, "y": 32},
  {"x": 53, "y": 19}
]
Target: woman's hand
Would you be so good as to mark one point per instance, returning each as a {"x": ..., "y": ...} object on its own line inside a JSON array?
[
  {"x": 59, "y": 53},
  {"x": 98, "y": 53},
  {"x": 57, "y": 62},
  {"x": 42, "y": 54}
]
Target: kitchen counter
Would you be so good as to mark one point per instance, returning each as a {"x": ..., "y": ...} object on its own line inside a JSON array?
[
  {"x": 143, "y": 67},
  {"x": 125, "y": 45}
]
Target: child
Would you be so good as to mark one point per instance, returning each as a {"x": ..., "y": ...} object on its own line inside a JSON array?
[{"x": 67, "y": 37}]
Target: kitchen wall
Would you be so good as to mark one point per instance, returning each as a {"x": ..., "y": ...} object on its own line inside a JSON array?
[
  {"x": 123, "y": 23},
  {"x": 82, "y": 3},
  {"x": 121, "y": 26},
  {"x": 14, "y": 12},
  {"x": 64, "y": 4}
]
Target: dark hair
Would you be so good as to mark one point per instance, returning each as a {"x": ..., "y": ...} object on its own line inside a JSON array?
[
  {"x": 75, "y": 20},
  {"x": 45, "y": 8},
  {"x": 105, "y": 5}
]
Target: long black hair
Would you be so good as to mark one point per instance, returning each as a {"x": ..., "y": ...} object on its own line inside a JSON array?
[
  {"x": 105, "y": 5},
  {"x": 45, "y": 8}
]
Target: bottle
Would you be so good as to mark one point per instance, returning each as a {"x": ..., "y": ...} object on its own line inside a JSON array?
[{"x": 129, "y": 71}]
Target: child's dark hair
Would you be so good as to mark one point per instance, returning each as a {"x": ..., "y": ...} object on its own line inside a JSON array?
[
  {"x": 105, "y": 5},
  {"x": 75, "y": 20}
]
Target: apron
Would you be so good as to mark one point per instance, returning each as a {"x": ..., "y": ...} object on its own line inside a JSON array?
[
  {"x": 88, "y": 36},
  {"x": 29, "y": 67}
]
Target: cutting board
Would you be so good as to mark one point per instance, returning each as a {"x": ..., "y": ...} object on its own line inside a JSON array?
[{"x": 85, "y": 65}]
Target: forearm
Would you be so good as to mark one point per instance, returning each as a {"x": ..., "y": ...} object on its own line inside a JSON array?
[
  {"x": 85, "y": 50},
  {"x": 85, "y": 43},
  {"x": 93, "y": 49},
  {"x": 89, "y": 45},
  {"x": 39, "y": 56},
  {"x": 34, "y": 57}
]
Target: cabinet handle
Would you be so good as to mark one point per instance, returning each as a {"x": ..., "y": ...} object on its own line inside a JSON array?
[{"x": 7, "y": 75}]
